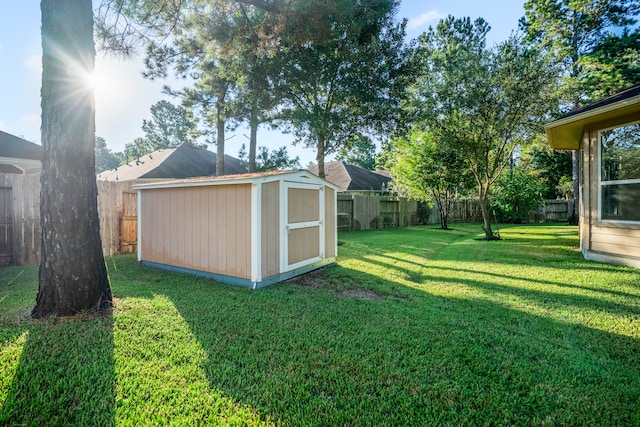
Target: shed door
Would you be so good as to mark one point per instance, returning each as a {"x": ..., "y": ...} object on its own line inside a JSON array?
[{"x": 304, "y": 225}]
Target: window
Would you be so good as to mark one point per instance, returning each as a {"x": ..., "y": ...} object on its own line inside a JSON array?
[{"x": 619, "y": 186}]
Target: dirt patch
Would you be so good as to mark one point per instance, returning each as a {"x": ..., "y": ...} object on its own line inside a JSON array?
[
  {"x": 362, "y": 294},
  {"x": 312, "y": 280},
  {"x": 317, "y": 281}
]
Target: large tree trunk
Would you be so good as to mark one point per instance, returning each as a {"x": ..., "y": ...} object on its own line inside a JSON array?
[
  {"x": 575, "y": 177},
  {"x": 220, "y": 124},
  {"x": 73, "y": 276},
  {"x": 320, "y": 157},
  {"x": 220, "y": 146},
  {"x": 253, "y": 138},
  {"x": 486, "y": 217}
]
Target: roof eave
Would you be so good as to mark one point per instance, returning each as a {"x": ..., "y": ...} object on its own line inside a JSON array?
[{"x": 566, "y": 133}]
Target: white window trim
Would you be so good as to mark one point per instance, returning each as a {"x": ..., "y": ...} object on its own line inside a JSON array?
[{"x": 601, "y": 183}]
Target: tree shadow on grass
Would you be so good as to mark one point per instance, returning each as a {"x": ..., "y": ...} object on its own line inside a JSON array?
[
  {"x": 52, "y": 372},
  {"x": 307, "y": 355},
  {"x": 65, "y": 374}
]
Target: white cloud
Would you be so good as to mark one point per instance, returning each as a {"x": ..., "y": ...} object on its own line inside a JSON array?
[
  {"x": 3, "y": 126},
  {"x": 34, "y": 64},
  {"x": 419, "y": 21},
  {"x": 0, "y": 47},
  {"x": 30, "y": 121}
]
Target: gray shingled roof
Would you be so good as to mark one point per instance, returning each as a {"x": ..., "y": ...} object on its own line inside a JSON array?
[
  {"x": 353, "y": 178},
  {"x": 620, "y": 96},
  {"x": 18, "y": 155},
  {"x": 185, "y": 161},
  {"x": 17, "y": 148}
]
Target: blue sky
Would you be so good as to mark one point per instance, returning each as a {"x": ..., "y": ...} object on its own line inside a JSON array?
[{"x": 123, "y": 97}]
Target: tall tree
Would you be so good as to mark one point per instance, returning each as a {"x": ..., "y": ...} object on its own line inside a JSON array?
[
  {"x": 613, "y": 65},
  {"x": 340, "y": 84},
  {"x": 568, "y": 30},
  {"x": 73, "y": 276},
  {"x": 481, "y": 100},
  {"x": 169, "y": 126}
]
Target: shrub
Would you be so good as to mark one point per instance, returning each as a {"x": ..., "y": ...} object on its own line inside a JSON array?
[{"x": 517, "y": 195}]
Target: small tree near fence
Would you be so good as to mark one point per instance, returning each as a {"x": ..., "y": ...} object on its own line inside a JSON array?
[{"x": 426, "y": 169}]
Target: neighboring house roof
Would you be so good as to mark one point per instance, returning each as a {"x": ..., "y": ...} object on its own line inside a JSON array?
[
  {"x": 566, "y": 132},
  {"x": 353, "y": 178},
  {"x": 184, "y": 161},
  {"x": 18, "y": 155}
]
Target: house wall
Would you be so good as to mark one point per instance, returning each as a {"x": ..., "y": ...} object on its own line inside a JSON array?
[
  {"x": 614, "y": 241},
  {"x": 200, "y": 228}
]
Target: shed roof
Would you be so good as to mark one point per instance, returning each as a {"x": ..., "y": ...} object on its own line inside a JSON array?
[
  {"x": 245, "y": 178},
  {"x": 353, "y": 178},
  {"x": 18, "y": 155},
  {"x": 566, "y": 132},
  {"x": 184, "y": 161}
]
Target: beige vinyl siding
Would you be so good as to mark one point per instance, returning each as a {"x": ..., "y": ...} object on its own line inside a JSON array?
[
  {"x": 201, "y": 228},
  {"x": 304, "y": 244},
  {"x": 270, "y": 250},
  {"x": 330, "y": 223},
  {"x": 607, "y": 237}
]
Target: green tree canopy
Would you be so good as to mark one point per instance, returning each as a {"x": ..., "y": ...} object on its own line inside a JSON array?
[
  {"x": 105, "y": 158},
  {"x": 274, "y": 160},
  {"x": 359, "y": 151},
  {"x": 428, "y": 170},
  {"x": 340, "y": 84},
  {"x": 485, "y": 102}
]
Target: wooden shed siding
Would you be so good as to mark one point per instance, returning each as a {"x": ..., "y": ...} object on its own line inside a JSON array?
[
  {"x": 330, "y": 222},
  {"x": 614, "y": 238},
  {"x": 270, "y": 249},
  {"x": 303, "y": 205},
  {"x": 304, "y": 243},
  {"x": 172, "y": 234}
]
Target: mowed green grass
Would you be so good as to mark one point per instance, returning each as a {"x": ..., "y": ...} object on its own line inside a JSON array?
[{"x": 414, "y": 326}]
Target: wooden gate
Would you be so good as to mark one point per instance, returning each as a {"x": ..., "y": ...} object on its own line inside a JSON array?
[
  {"x": 129, "y": 223},
  {"x": 345, "y": 213},
  {"x": 6, "y": 226}
]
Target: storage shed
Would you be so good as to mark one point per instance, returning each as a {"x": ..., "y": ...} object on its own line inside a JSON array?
[
  {"x": 607, "y": 133},
  {"x": 251, "y": 230}
]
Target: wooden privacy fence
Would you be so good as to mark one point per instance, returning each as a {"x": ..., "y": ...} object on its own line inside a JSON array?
[
  {"x": 364, "y": 212},
  {"x": 20, "y": 218},
  {"x": 118, "y": 210}
]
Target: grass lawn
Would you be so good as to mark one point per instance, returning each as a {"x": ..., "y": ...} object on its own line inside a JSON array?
[{"x": 414, "y": 326}]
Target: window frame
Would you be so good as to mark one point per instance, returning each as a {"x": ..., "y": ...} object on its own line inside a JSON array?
[{"x": 602, "y": 183}]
